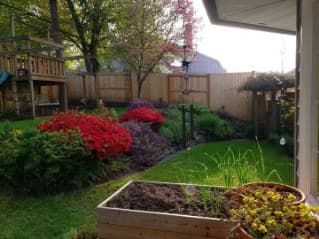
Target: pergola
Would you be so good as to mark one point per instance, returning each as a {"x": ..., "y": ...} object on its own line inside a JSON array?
[{"x": 272, "y": 84}]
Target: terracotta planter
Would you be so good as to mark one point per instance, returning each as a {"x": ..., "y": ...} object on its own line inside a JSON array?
[
  {"x": 236, "y": 195},
  {"x": 241, "y": 233},
  {"x": 120, "y": 223},
  {"x": 284, "y": 189},
  {"x": 281, "y": 188}
]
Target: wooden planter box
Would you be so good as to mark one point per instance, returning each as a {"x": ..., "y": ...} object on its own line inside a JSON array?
[{"x": 117, "y": 223}]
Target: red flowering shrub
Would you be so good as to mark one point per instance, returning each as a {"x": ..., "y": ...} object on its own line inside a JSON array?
[
  {"x": 143, "y": 115},
  {"x": 100, "y": 134}
]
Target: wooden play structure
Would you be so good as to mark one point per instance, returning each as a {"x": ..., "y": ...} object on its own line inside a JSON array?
[{"x": 31, "y": 66}]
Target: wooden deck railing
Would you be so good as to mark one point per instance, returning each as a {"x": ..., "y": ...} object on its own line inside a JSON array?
[{"x": 40, "y": 65}]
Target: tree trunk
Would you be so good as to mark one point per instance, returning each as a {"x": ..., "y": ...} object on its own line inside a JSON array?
[
  {"x": 55, "y": 29},
  {"x": 139, "y": 89},
  {"x": 140, "y": 81},
  {"x": 89, "y": 50}
]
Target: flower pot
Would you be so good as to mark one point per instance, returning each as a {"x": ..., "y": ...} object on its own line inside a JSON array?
[
  {"x": 117, "y": 222},
  {"x": 262, "y": 208},
  {"x": 282, "y": 188},
  {"x": 235, "y": 195},
  {"x": 240, "y": 233}
]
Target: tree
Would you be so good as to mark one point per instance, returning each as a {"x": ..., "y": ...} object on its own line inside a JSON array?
[
  {"x": 149, "y": 35},
  {"x": 55, "y": 27},
  {"x": 91, "y": 19}
]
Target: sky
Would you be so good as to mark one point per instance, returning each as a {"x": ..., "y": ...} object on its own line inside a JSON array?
[{"x": 241, "y": 50}]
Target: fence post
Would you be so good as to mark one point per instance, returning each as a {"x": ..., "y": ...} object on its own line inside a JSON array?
[{"x": 209, "y": 91}]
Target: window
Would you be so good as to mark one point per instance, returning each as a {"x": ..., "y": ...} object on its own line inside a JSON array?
[{"x": 307, "y": 148}]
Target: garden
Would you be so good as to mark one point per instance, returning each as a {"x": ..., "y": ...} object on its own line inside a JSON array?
[{"x": 54, "y": 171}]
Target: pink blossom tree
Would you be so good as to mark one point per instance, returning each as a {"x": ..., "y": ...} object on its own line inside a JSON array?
[{"x": 151, "y": 34}]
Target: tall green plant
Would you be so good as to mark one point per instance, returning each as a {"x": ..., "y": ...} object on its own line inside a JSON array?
[
  {"x": 241, "y": 168},
  {"x": 264, "y": 176},
  {"x": 210, "y": 198}
]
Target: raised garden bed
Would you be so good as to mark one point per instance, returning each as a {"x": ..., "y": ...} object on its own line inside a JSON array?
[{"x": 164, "y": 210}]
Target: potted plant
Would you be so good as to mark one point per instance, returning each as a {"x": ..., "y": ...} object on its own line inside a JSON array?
[{"x": 268, "y": 210}]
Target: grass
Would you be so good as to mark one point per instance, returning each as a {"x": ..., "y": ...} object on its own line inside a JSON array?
[
  {"x": 61, "y": 215},
  {"x": 24, "y": 124}
]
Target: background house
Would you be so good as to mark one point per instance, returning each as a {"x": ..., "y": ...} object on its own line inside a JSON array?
[{"x": 203, "y": 64}]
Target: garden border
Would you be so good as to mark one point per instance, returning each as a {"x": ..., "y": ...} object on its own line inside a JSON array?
[{"x": 121, "y": 223}]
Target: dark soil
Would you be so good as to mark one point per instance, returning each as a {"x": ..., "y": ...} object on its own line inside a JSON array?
[{"x": 172, "y": 198}]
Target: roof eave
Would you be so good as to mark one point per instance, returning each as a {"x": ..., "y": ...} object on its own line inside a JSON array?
[{"x": 212, "y": 13}]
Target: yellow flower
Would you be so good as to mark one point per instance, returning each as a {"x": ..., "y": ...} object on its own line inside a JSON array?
[
  {"x": 246, "y": 199},
  {"x": 248, "y": 218},
  {"x": 253, "y": 212},
  {"x": 262, "y": 229},
  {"x": 275, "y": 197},
  {"x": 258, "y": 194},
  {"x": 268, "y": 213},
  {"x": 271, "y": 222},
  {"x": 251, "y": 200},
  {"x": 285, "y": 208},
  {"x": 278, "y": 213},
  {"x": 254, "y": 226},
  {"x": 270, "y": 194},
  {"x": 291, "y": 197}
]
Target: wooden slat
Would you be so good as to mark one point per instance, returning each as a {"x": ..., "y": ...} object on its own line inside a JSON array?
[
  {"x": 115, "y": 88},
  {"x": 122, "y": 232},
  {"x": 118, "y": 223},
  {"x": 191, "y": 225},
  {"x": 46, "y": 77},
  {"x": 46, "y": 42},
  {"x": 46, "y": 57},
  {"x": 24, "y": 51}
]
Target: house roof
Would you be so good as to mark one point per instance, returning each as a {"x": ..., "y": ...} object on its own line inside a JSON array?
[
  {"x": 269, "y": 82},
  {"x": 203, "y": 64},
  {"x": 267, "y": 15}
]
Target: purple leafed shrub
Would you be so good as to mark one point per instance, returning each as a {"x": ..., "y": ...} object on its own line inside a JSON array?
[
  {"x": 147, "y": 147},
  {"x": 137, "y": 103}
]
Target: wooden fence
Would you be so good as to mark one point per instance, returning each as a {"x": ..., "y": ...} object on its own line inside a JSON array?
[{"x": 219, "y": 92}]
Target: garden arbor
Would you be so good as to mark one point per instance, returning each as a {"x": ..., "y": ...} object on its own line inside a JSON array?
[
  {"x": 32, "y": 63},
  {"x": 269, "y": 91}
]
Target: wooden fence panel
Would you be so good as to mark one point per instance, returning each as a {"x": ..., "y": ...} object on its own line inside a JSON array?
[
  {"x": 75, "y": 86},
  {"x": 226, "y": 97},
  {"x": 219, "y": 92},
  {"x": 198, "y": 86},
  {"x": 155, "y": 88},
  {"x": 115, "y": 87},
  {"x": 90, "y": 87}
]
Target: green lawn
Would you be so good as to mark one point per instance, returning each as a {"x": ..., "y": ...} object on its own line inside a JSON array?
[
  {"x": 59, "y": 216},
  {"x": 23, "y": 124}
]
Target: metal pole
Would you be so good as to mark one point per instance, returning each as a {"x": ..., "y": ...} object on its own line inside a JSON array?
[
  {"x": 184, "y": 126},
  {"x": 191, "y": 116}
]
